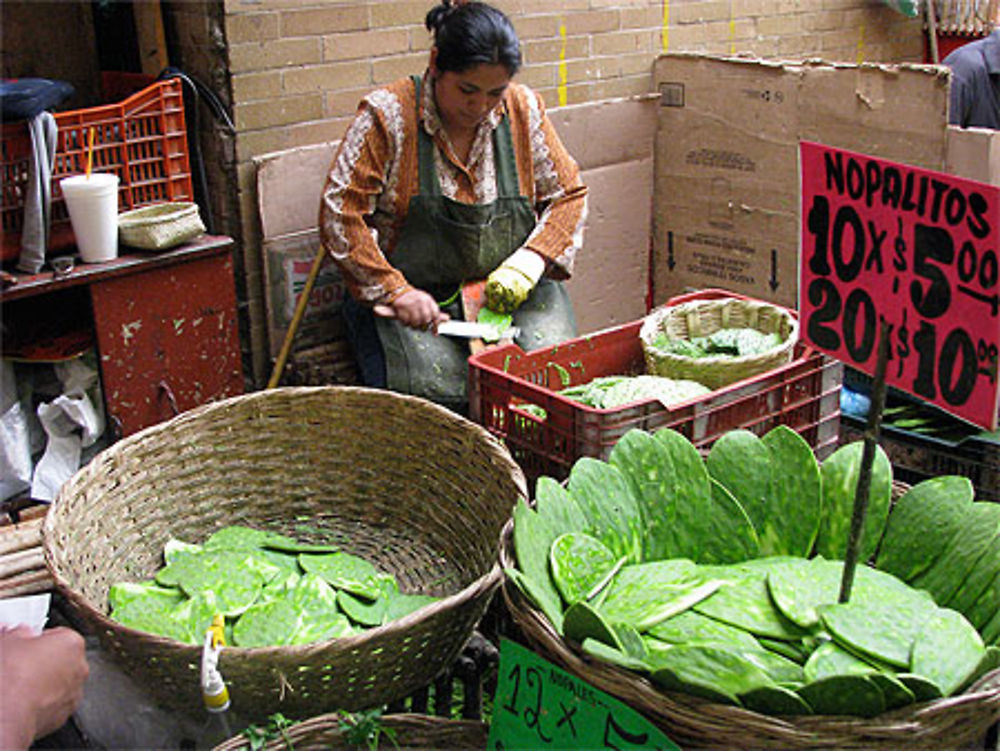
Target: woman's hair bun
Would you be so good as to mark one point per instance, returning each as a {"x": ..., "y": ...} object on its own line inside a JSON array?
[
  {"x": 437, "y": 14},
  {"x": 469, "y": 33}
]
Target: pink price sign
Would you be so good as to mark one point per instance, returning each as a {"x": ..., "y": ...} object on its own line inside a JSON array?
[{"x": 912, "y": 247}]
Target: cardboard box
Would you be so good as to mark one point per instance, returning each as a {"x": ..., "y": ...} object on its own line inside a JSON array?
[
  {"x": 973, "y": 153},
  {"x": 726, "y": 186},
  {"x": 289, "y": 261},
  {"x": 289, "y": 185},
  {"x": 612, "y": 142}
]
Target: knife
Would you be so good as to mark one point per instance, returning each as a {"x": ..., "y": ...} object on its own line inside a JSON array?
[
  {"x": 473, "y": 330},
  {"x": 462, "y": 329}
]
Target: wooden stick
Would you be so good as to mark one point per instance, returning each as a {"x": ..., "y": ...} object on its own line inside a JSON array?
[
  {"x": 23, "y": 560},
  {"x": 867, "y": 460},
  {"x": 300, "y": 311},
  {"x": 473, "y": 294},
  {"x": 20, "y": 536},
  {"x": 25, "y": 514},
  {"x": 932, "y": 32},
  {"x": 29, "y": 583}
]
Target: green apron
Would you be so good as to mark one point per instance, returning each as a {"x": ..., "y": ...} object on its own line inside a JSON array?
[{"x": 444, "y": 243}]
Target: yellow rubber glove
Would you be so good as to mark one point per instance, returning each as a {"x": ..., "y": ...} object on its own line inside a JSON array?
[{"x": 512, "y": 281}]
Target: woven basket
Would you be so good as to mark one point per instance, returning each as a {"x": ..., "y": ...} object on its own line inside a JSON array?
[
  {"x": 954, "y": 722},
  {"x": 160, "y": 226},
  {"x": 412, "y": 731},
  {"x": 417, "y": 490},
  {"x": 705, "y": 317}
]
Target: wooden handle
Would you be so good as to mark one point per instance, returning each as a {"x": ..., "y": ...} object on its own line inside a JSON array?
[
  {"x": 472, "y": 300},
  {"x": 31, "y": 559},
  {"x": 21, "y": 536},
  {"x": 293, "y": 326}
]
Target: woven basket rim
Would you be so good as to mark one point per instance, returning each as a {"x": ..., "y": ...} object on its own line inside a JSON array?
[
  {"x": 196, "y": 413},
  {"x": 893, "y": 726},
  {"x": 156, "y": 213},
  {"x": 329, "y": 722},
  {"x": 653, "y": 325}
]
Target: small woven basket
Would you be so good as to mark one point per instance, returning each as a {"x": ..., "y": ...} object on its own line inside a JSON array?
[
  {"x": 410, "y": 486},
  {"x": 160, "y": 226},
  {"x": 705, "y": 317},
  {"x": 954, "y": 722},
  {"x": 409, "y": 731}
]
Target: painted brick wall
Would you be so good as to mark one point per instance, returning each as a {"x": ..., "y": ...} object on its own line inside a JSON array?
[{"x": 298, "y": 67}]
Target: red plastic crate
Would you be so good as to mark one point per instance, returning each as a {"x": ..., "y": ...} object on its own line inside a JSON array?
[
  {"x": 143, "y": 139},
  {"x": 804, "y": 395}
]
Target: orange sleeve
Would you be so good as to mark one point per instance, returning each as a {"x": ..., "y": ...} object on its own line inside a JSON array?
[
  {"x": 551, "y": 177},
  {"x": 355, "y": 183}
]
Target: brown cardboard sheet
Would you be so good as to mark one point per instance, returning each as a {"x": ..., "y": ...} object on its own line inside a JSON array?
[{"x": 726, "y": 173}]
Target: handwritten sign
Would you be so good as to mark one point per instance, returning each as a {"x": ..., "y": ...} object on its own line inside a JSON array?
[
  {"x": 913, "y": 247},
  {"x": 539, "y": 706}
]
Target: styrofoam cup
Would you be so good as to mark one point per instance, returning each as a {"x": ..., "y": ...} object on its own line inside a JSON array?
[{"x": 93, "y": 211}]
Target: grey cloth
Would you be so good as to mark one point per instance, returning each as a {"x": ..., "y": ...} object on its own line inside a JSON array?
[
  {"x": 975, "y": 83},
  {"x": 38, "y": 193}
]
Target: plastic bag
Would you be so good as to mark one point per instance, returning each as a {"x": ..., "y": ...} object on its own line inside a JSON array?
[
  {"x": 909, "y": 8},
  {"x": 72, "y": 421},
  {"x": 15, "y": 438}
]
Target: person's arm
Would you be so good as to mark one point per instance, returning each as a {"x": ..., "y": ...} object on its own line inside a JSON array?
[
  {"x": 42, "y": 684},
  {"x": 357, "y": 178},
  {"x": 960, "y": 97},
  {"x": 560, "y": 196},
  {"x": 561, "y": 202}
]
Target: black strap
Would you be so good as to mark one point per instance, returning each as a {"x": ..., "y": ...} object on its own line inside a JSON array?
[
  {"x": 203, "y": 92},
  {"x": 197, "y": 91}
]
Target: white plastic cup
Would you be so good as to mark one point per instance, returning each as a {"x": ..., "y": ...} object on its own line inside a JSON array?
[{"x": 93, "y": 212}]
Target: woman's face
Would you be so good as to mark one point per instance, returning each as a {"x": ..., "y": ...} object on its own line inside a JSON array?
[{"x": 464, "y": 99}]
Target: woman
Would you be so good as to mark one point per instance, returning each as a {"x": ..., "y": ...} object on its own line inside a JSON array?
[{"x": 451, "y": 178}]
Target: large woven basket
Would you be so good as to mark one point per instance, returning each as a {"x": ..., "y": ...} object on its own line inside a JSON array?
[
  {"x": 956, "y": 722},
  {"x": 412, "y": 487},
  {"x": 409, "y": 731},
  {"x": 703, "y": 318}
]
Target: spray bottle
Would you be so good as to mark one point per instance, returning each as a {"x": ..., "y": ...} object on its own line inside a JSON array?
[{"x": 218, "y": 726}]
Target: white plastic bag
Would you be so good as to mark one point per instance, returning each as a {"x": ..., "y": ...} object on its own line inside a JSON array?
[
  {"x": 72, "y": 421},
  {"x": 15, "y": 440}
]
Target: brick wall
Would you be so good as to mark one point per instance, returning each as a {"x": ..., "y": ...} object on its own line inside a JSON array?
[{"x": 298, "y": 67}]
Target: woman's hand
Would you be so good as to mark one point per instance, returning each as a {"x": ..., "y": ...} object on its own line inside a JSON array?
[
  {"x": 510, "y": 284},
  {"x": 417, "y": 309},
  {"x": 43, "y": 679}
]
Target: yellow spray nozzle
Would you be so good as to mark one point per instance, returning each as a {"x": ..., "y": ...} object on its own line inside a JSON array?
[
  {"x": 217, "y": 629},
  {"x": 213, "y": 688}
]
